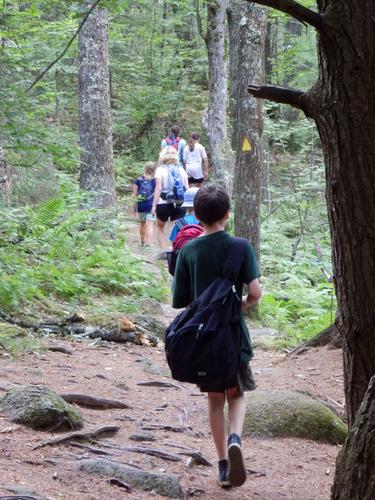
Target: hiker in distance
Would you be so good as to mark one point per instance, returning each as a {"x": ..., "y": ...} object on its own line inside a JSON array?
[
  {"x": 143, "y": 194},
  {"x": 171, "y": 184},
  {"x": 195, "y": 161},
  {"x": 199, "y": 264},
  {"x": 173, "y": 139}
]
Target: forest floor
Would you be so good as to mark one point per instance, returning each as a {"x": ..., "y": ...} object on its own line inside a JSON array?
[{"x": 294, "y": 469}]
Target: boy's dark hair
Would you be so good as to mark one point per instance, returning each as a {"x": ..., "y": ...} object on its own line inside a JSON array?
[{"x": 211, "y": 203}]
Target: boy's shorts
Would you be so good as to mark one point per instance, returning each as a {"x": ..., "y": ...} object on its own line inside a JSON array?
[
  {"x": 144, "y": 216},
  {"x": 244, "y": 381},
  {"x": 164, "y": 211}
]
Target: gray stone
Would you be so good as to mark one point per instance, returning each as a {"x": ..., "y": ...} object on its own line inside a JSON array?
[
  {"x": 150, "y": 306},
  {"x": 40, "y": 408},
  {"x": 150, "y": 324},
  {"x": 22, "y": 491},
  {"x": 142, "y": 436},
  {"x": 291, "y": 414},
  {"x": 163, "y": 484}
]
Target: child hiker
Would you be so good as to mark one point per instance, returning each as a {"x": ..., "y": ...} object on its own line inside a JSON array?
[
  {"x": 189, "y": 218},
  {"x": 199, "y": 263},
  {"x": 143, "y": 195},
  {"x": 195, "y": 161}
]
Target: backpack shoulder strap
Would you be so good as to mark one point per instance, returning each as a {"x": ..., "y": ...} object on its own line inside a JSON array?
[
  {"x": 236, "y": 254},
  {"x": 180, "y": 223}
]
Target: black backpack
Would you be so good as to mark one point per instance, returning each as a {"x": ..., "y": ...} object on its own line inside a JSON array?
[{"x": 202, "y": 343}]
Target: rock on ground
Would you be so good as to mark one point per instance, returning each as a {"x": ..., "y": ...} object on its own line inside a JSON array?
[
  {"x": 291, "y": 414},
  {"x": 40, "y": 408},
  {"x": 163, "y": 484}
]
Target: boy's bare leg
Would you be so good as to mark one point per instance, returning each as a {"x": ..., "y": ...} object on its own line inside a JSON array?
[
  {"x": 160, "y": 236},
  {"x": 236, "y": 411},
  {"x": 216, "y": 402}
]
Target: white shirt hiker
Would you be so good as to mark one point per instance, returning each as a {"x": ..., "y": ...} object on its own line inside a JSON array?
[
  {"x": 194, "y": 159},
  {"x": 162, "y": 173}
]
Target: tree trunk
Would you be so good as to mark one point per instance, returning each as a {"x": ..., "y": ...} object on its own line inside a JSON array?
[
  {"x": 95, "y": 128},
  {"x": 215, "y": 123},
  {"x": 355, "y": 465},
  {"x": 5, "y": 179},
  {"x": 248, "y": 31},
  {"x": 344, "y": 102}
]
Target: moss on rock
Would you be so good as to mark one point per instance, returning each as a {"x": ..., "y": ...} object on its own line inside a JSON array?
[
  {"x": 40, "y": 408},
  {"x": 291, "y": 414}
]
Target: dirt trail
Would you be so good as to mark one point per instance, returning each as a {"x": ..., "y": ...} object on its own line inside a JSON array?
[{"x": 278, "y": 468}]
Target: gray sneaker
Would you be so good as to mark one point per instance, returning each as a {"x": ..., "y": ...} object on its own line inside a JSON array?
[{"x": 236, "y": 471}]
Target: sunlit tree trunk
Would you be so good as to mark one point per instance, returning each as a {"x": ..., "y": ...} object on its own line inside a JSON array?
[
  {"x": 95, "y": 128},
  {"x": 215, "y": 122},
  {"x": 247, "y": 29}
]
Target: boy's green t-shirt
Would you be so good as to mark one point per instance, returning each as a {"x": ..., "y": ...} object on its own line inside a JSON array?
[{"x": 199, "y": 263}]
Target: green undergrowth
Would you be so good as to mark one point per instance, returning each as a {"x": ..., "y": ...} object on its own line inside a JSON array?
[
  {"x": 14, "y": 339},
  {"x": 59, "y": 256}
]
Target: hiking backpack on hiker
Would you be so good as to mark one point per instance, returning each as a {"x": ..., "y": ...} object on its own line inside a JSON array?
[
  {"x": 145, "y": 190},
  {"x": 202, "y": 344},
  {"x": 174, "y": 192},
  {"x": 179, "y": 146},
  {"x": 187, "y": 232}
]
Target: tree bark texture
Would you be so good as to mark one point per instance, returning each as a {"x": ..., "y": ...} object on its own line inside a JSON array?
[
  {"x": 95, "y": 128},
  {"x": 356, "y": 460},
  {"x": 342, "y": 102},
  {"x": 5, "y": 179},
  {"x": 343, "y": 105},
  {"x": 248, "y": 31},
  {"x": 215, "y": 122}
]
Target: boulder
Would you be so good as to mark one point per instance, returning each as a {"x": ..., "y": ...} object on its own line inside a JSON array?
[
  {"x": 40, "y": 408},
  {"x": 291, "y": 414},
  {"x": 150, "y": 306},
  {"x": 163, "y": 484},
  {"x": 150, "y": 324}
]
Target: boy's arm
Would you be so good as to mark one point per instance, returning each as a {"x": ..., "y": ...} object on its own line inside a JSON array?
[
  {"x": 181, "y": 284},
  {"x": 253, "y": 295}
]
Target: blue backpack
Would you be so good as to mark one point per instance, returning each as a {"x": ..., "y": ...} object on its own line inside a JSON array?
[
  {"x": 176, "y": 189},
  {"x": 203, "y": 343},
  {"x": 146, "y": 190}
]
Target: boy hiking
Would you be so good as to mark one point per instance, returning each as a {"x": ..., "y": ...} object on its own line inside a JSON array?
[
  {"x": 189, "y": 218},
  {"x": 199, "y": 264},
  {"x": 143, "y": 195}
]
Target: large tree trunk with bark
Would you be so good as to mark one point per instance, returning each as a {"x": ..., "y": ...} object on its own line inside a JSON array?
[
  {"x": 357, "y": 458},
  {"x": 95, "y": 128},
  {"x": 247, "y": 28},
  {"x": 342, "y": 103},
  {"x": 215, "y": 123}
]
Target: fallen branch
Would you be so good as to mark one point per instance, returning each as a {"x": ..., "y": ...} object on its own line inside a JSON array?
[
  {"x": 154, "y": 452},
  {"x": 95, "y": 451},
  {"x": 119, "y": 483},
  {"x": 104, "y": 430},
  {"x": 60, "y": 348},
  {"x": 328, "y": 336},
  {"x": 93, "y": 401},
  {"x": 159, "y": 383},
  {"x": 171, "y": 428}
]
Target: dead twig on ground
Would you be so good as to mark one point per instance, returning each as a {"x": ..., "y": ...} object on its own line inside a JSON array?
[
  {"x": 103, "y": 430},
  {"x": 93, "y": 401}
]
